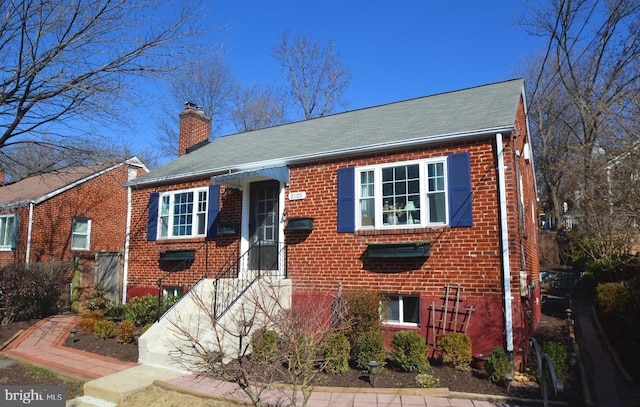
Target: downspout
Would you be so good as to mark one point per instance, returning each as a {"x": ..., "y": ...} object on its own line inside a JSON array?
[
  {"x": 504, "y": 234},
  {"x": 29, "y": 230},
  {"x": 125, "y": 271}
]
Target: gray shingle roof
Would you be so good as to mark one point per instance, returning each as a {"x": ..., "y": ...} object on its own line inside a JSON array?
[{"x": 452, "y": 115}]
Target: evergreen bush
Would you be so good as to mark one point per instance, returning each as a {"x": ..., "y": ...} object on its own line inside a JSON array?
[
  {"x": 455, "y": 348},
  {"x": 370, "y": 347},
  {"x": 363, "y": 309},
  {"x": 427, "y": 381},
  {"x": 264, "y": 346},
  {"x": 125, "y": 331},
  {"x": 497, "y": 365},
  {"x": 336, "y": 351},
  {"x": 105, "y": 329},
  {"x": 410, "y": 351}
]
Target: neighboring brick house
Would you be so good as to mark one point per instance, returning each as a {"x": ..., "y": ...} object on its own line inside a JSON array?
[
  {"x": 423, "y": 200},
  {"x": 78, "y": 212}
]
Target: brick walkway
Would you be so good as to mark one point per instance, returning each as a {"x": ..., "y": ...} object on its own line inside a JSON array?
[{"x": 42, "y": 345}]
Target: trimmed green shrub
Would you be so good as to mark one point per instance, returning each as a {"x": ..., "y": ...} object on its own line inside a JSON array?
[
  {"x": 115, "y": 311},
  {"x": 426, "y": 381},
  {"x": 363, "y": 307},
  {"x": 125, "y": 331},
  {"x": 410, "y": 351},
  {"x": 336, "y": 351},
  {"x": 455, "y": 348},
  {"x": 559, "y": 357},
  {"x": 264, "y": 346},
  {"x": 370, "y": 347},
  {"x": 144, "y": 310},
  {"x": 497, "y": 365},
  {"x": 105, "y": 329}
]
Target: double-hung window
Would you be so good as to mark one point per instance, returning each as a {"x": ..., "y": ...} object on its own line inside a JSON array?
[
  {"x": 402, "y": 194},
  {"x": 403, "y": 309},
  {"x": 182, "y": 213},
  {"x": 80, "y": 233},
  {"x": 8, "y": 225}
]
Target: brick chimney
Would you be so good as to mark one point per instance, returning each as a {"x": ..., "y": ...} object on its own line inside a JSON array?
[
  {"x": 195, "y": 128},
  {"x": 1, "y": 175}
]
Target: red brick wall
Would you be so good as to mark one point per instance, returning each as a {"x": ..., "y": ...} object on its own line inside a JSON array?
[
  {"x": 103, "y": 199},
  {"x": 144, "y": 266},
  {"x": 323, "y": 258}
]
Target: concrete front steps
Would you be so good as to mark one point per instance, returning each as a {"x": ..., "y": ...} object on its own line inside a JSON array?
[
  {"x": 188, "y": 331},
  {"x": 110, "y": 390}
]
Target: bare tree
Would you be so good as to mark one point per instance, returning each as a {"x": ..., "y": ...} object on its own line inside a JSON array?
[
  {"x": 586, "y": 97},
  {"x": 210, "y": 84},
  {"x": 316, "y": 76},
  {"x": 221, "y": 346},
  {"x": 256, "y": 107},
  {"x": 66, "y": 66}
]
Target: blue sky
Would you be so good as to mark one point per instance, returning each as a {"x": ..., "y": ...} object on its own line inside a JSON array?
[{"x": 395, "y": 50}]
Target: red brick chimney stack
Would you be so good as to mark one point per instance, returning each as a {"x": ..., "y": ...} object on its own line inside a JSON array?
[
  {"x": 1, "y": 175},
  {"x": 195, "y": 127}
]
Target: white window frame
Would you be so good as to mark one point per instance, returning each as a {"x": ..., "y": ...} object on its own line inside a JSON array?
[
  {"x": 7, "y": 231},
  {"x": 378, "y": 221},
  {"x": 400, "y": 320},
  {"x": 74, "y": 233},
  {"x": 198, "y": 213}
]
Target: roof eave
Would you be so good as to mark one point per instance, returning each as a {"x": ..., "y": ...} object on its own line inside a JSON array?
[{"x": 301, "y": 159}]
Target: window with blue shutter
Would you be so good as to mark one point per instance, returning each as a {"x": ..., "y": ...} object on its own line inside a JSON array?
[
  {"x": 346, "y": 200},
  {"x": 459, "y": 167},
  {"x": 411, "y": 194},
  {"x": 184, "y": 213}
]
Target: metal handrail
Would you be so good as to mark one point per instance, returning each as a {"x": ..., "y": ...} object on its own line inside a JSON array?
[
  {"x": 558, "y": 385},
  {"x": 229, "y": 288}
]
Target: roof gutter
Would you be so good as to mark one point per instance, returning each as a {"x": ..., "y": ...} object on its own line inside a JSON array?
[
  {"x": 504, "y": 235},
  {"x": 29, "y": 230},
  {"x": 322, "y": 155}
]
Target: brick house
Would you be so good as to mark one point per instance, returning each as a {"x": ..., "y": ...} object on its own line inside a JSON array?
[
  {"x": 430, "y": 201},
  {"x": 78, "y": 212}
]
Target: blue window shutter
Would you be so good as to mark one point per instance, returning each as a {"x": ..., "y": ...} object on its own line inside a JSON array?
[
  {"x": 459, "y": 167},
  {"x": 213, "y": 209},
  {"x": 346, "y": 200},
  {"x": 16, "y": 227},
  {"x": 152, "y": 219}
]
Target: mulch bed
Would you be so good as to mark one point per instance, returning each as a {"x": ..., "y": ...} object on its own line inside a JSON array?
[{"x": 474, "y": 381}]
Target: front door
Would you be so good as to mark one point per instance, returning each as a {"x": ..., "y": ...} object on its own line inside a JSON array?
[{"x": 264, "y": 225}]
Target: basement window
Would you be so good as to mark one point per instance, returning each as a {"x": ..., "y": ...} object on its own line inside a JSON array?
[{"x": 403, "y": 309}]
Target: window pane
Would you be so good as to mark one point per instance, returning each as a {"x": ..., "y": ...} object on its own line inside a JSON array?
[
  {"x": 393, "y": 308},
  {"x": 80, "y": 226},
  {"x": 3, "y": 232},
  {"x": 437, "y": 210},
  {"x": 183, "y": 214},
  {"x": 411, "y": 309},
  {"x": 79, "y": 242},
  {"x": 400, "y": 185}
]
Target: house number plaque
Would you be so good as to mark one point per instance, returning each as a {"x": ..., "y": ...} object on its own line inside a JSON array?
[{"x": 296, "y": 196}]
